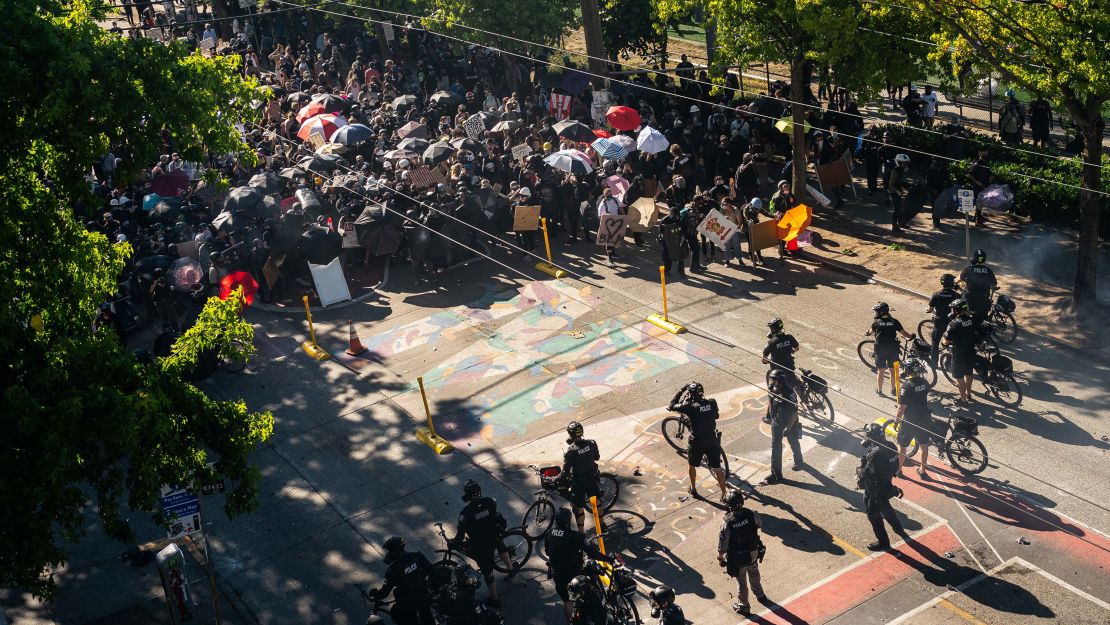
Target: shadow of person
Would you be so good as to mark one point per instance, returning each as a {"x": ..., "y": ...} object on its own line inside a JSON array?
[
  {"x": 800, "y": 532},
  {"x": 649, "y": 557}
]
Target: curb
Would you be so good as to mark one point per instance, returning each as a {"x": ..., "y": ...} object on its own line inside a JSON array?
[{"x": 338, "y": 306}]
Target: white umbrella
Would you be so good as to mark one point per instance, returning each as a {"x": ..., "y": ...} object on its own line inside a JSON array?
[
  {"x": 625, "y": 141},
  {"x": 569, "y": 161},
  {"x": 652, "y": 141}
]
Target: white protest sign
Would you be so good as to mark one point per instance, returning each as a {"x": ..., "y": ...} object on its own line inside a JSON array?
[
  {"x": 717, "y": 228},
  {"x": 610, "y": 230},
  {"x": 520, "y": 151},
  {"x": 331, "y": 284}
]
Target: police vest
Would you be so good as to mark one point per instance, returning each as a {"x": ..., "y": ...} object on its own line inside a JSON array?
[{"x": 742, "y": 531}]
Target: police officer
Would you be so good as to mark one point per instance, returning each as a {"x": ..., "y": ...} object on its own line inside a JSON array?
[
  {"x": 876, "y": 473},
  {"x": 672, "y": 241},
  {"x": 782, "y": 413},
  {"x": 564, "y": 556},
  {"x": 407, "y": 579},
  {"x": 480, "y": 524},
  {"x": 780, "y": 349},
  {"x": 587, "y": 605},
  {"x": 979, "y": 281},
  {"x": 580, "y": 468},
  {"x": 939, "y": 305},
  {"x": 663, "y": 606},
  {"x": 914, "y": 420},
  {"x": 961, "y": 338},
  {"x": 885, "y": 329},
  {"x": 462, "y": 606},
  {"x": 705, "y": 441},
  {"x": 740, "y": 550}
]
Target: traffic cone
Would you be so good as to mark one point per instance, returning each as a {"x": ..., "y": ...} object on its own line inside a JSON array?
[{"x": 356, "y": 347}]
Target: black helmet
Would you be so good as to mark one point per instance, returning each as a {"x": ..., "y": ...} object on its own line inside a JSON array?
[
  {"x": 775, "y": 325},
  {"x": 394, "y": 546},
  {"x": 574, "y": 429},
  {"x": 948, "y": 280},
  {"x": 695, "y": 388},
  {"x": 662, "y": 595},
  {"x": 980, "y": 256},
  {"x": 468, "y": 579},
  {"x": 735, "y": 500},
  {"x": 562, "y": 517},
  {"x": 776, "y": 375},
  {"x": 958, "y": 305},
  {"x": 471, "y": 491},
  {"x": 578, "y": 587},
  {"x": 882, "y": 308},
  {"x": 913, "y": 368},
  {"x": 874, "y": 433}
]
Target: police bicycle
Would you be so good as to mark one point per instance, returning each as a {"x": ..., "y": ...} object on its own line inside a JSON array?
[
  {"x": 677, "y": 430},
  {"x": 514, "y": 539},
  {"x": 540, "y": 515},
  {"x": 960, "y": 444},
  {"x": 813, "y": 395},
  {"x": 995, "y": 371},
  {"x": 986, "y": 339},
  {"x": 1001, "y": 318},
  {"x": 618, "y": 588},
  {"x": 915, "y": 348}
]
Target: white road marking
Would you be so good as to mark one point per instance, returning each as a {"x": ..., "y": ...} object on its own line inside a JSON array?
[
  {"x": 969, "y": 520},
  {"x": 1049, "y": 576},
  {"x": 802, "y": 323},
  {"x": 948, "y": 593}
]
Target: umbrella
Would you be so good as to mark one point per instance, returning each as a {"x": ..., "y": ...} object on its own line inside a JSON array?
[
  {"x": 623, "y": 117},
  {"x": 310, "y": 110},
  {"x": 331, "y": 103},
  {"x": 651, "y": 141},
  {"x": 565, "y": 160},
  {"x": 165, "y": 211},
  {"x": 243, "y": 200},
  {"x": 150, "y": 200},
  {"x": 608, "y": 149},
  {"x": 235, "y": 280},
  {"x": 413, "y": 129},
  {"x": 626, "y": 142},
  {"x": 468, "y": 144},
  {"x": 375, "y": 233},
  {"x": 412, "y": 144},
  {"x": 351, "y": 134},
  {"x": 488, "y": 120},
  {"x": 276, "y": 91},
  {"x": 290, "y": 173},
  {"x": 506, "y": 125},
  {"x": 266, "y": 182},
  {"x": 332, "y": 148},
  {"x": 402, "y": 101},
  {"x": 618, "y": 185},
  {"x": 320, "y": 245},
  {"x": 228, "y": 221},
  {"x": 396, "y": 155},
  {"x": 186, "y": 273},
  {"x": 786, "y": 126},
  {"x": 320, "y": 163},
  {"x": 602, "y": 134},
  {"x": 169, "y": 185},
  {"x": 438, "y": 152},
  {"x": 296, "y": 98},
  {"x": 575, "y": 131},
  {"x": 767, "y": 106},
  {"x": 147, "y": 264},
  {"x": 442, "y": 98},
  {"x": 794, "y": 221},
  {"x": 574, "y": 81},
  {"x": 323, "y": 126}
]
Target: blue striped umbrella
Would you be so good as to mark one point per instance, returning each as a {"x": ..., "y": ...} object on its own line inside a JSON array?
[{"x": 609, "y": 150}]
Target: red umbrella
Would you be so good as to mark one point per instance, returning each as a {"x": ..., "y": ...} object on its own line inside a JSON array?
[
  {"x": 311, "y": 110},
  {"x": 238, "y": 279},
  {"x": 623, "y": 118},
  {"x": 323, "y": 125},
  {"x": 601, "y": 134},
  {"x": 169, "y": 185}
]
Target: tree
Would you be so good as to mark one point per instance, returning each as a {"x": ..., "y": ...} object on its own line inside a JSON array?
[
  {"x": 1058, "y": 49},
  {"x": 629, "y": 28},
  {"x": 83, "y": 423},
  {"x": 798, "y": 33}
]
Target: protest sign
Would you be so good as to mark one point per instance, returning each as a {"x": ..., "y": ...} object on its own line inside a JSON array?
[
  {"x": 610, "y": 230},
  {"x": 643, "y": 213},
  {"x": 520, "y": 151},
  {"x": 717, "y": 228},
  {"x": 526, "y": 218},
  {"x": 836, "y": 173},
  {"x": 331, "y": 284},
  {"x": 763, "y": 235}
]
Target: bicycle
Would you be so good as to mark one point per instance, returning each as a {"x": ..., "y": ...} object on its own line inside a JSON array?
[
  {"x": 1001, "y": 317},
  {"x": 374, "y": 603},
  {"x": 914, "y": 348},
  {"x": 514, "y": 539},
  {"x": 676, "y": 429},
  {"x": 618, "y": 587},
  {"x": 813, "y": 395},
  {"x": 960, "y": 445},
  {"x": 539, "y": 516},
  {"x": 987, "y": 338},
  {"x": 996, "y": 372}
]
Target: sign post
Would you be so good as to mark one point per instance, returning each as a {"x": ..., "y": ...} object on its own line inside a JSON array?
[{"x": 967, "y": 207}]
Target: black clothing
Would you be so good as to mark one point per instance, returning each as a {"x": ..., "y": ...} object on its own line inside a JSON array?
[
  {"x": 877, "y": 470},
  {"x": 886, "y": 329},
  {"x": 980, "y": 279},
  {"x": 465, "y": 609},
  {"x": 703, "y": 417},
  {"x": 940, "y": 303},
  {"x": 739, "y": 539},
  {"x": 482, "y": 524},
  {"x": 915, "y": 397},
  {"x": 564, "y": 556},
  {"x": 407, "y": 579},
  {"x": 672, "y": 615},
  {"x": 962, "y": 336},
  {"x": 590, "y": 610},
  {"x": 580, "y": 459},
  {"x": 780, "y": 350}
]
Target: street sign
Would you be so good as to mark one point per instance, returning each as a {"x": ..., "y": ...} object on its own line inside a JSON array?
[
  {"x": 966, "y": 198},
  {"x": 212, "y": 488},
  {"x": 182, "y": 510}
]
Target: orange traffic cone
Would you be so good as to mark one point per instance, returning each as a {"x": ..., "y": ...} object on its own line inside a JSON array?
[{"x": 356, "y": 347}]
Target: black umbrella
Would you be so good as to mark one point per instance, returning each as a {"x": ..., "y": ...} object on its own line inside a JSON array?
[
  {"x": 296, "y": 98},
  {"x": 438, "y": 152},
  {"x": 506, "y": 124},
  {"x": 402, "y": 101},
  {"x": 412, "y": 144},
  {"x": 320, "y": 163},
  {"x": 243, "y": 200},
  {"x": 278, "y": 92},
  {"x": 331, "y": 103},
  {"x": 165, "y": 210},
  {"x": 286, "y": 235},
  {"x": 319, "y": 245},
  {"x": 442, "y": 98},
  {"x": 767, "y": 106},
  {"x": 468, "y": 144},
  {"x": 147, "y": 264},
  {"x": 575, "y": 131},
  {"x": 290, "y": 173},
  {"x": 266, "y": 182},
  {"x": 492, "y": 206},
  {"x": 376, "y": 231},
  {"x": 229, "y": 222}
]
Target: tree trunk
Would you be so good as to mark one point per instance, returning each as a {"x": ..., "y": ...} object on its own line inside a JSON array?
[
  {"x": 1084, "y": 293},
  {"x": 595, "y": 48},
  {"x": 219, "y": 12},
  {"x": 710, "y": 41},
  {"x": 798, "y": 144}
]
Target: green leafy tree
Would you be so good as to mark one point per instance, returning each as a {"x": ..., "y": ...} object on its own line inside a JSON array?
[
  {"x": 84, "y": 424},
  {"x": 1055, "y": 48},
  {"x": 630, "y": 28}
]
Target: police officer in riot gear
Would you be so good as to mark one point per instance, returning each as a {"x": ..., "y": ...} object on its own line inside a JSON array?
[
  {"x": 782, "y": 413},
  {"x": 565, "y": 547},
  {"x": 705, "y": 441},
  {"x": 588, "y": 608},
  {"x": 462, "y": 606},
  {"x": 740, "y": 550},
  {"x": 407, "y": 579},
  {"x": 481, "y": 525},
  {"x": 979, "y": 281},
  {"x": 875, "y": 475},
  {"x": 663, "y": 606},
  {"x": 580, "y": 468},
  {"x": 780, "y": 349},
  {"x": 914, "y": 420},
  {"x": 885, "y": 329},
  {"x": 939, "y": 305}
]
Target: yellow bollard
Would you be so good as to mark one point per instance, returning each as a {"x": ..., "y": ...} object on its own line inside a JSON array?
[
  {"x": 665, "y": 321},
  {"x": 310, "y": 346},
  {"x": 597, "y": 525},
  {"x": 549, "y": 267},
  {"x": 427, "y": 435},
  {"x": 897, "y": 383}
]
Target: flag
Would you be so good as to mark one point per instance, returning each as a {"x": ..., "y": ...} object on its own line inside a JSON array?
[{"x": 559, "y": 106}]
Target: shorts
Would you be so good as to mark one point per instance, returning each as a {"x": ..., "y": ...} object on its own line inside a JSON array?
[
  {"x": 885, "y": 355},
  {"x": 923, "y": 430},
  {"x": 710, "y": 451},
  {"x": 483, "y": 555},
  {"x": 960, "y": 367},
  {"x": 561, "y": 582},
  {"x": 582, "y": 489}
]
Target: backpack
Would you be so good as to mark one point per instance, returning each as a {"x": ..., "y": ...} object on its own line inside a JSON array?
[{"x": 673, "y": 237}]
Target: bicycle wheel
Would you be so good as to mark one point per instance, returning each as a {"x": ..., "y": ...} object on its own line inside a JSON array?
[
  {"x": 866, "y": 351},
  {"x": 610, "y": 489},
  {"x": 966, "y": 454},
  {"x": 925, "y": 329},
  {"x": 234, "y": 359},
  {"x": 1005, "y": 389},
  {"x": 945, "y": 365},
  {"x": 443, "y": 573},
  {"x": 819, "y": 407},
  {"x": 930, "y": 372},
  {"x": 724, "y": 463},
  {"x": 520, "y": 549},
  {"x": 538, "y": 519},
  {"x": 1003, "y": 326},
  {"x": 675, "y": 431},
  {"x": 622, "y": 611}
]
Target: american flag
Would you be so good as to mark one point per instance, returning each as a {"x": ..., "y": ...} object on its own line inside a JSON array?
[{"x": 559, "y": 106}]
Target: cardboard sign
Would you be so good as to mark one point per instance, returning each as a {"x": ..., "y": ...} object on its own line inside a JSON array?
[
  {"x": 331, "y": 284},
  {"x": 350, "y": 237},
  {"x": 610, "y": 230},
  {"x": 271, "y": 270},
  {"x": 644, "y": 212},
  {"x": 526, "y": 218},
  {"x": 474, "y": 127},
  {"x": 422, "y": 177},
  {"x": 520, "y": 151},
  {"x": 763, "y": 235},
  {"x": 821, "y": 198},
  {"x": 717, "y": 228},
  {"x": 836, "y": 173}
]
